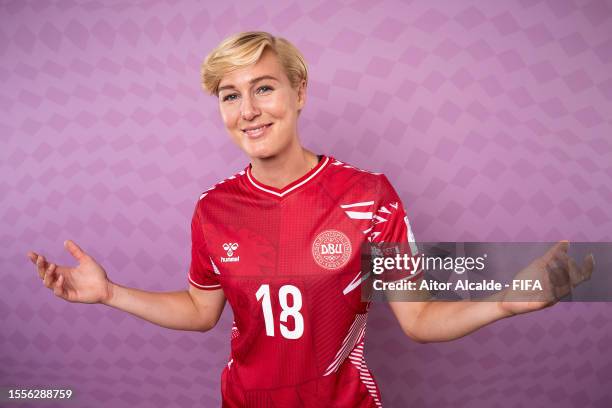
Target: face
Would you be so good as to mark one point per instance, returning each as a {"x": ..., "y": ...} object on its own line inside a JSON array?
[{"x": 259, "y": 107}]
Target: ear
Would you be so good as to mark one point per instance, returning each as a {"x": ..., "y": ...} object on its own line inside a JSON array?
[{"x": 301, "y": 94}]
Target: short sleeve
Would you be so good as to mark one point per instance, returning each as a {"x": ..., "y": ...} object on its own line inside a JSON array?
[
  {"x": 203, "y": 273},
  {"x": 390, "y": 225}
]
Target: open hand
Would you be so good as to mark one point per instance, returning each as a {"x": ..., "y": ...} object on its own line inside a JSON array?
[
  {"x": 557, "y": 273},
  {"x": 86, "y": 283}
]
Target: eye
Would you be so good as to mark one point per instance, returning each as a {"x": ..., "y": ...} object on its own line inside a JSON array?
[
  {"x": 230, "y": 97},
  {"x": 264, "y": 88}
]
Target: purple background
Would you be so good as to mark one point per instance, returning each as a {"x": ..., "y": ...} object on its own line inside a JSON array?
[{"x": 492, "y": 119}]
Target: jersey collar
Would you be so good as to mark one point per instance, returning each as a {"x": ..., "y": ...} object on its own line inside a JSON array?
[{"x": 295, "y": 185}]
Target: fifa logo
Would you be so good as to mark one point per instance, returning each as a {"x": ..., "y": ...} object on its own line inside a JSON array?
[{"x": 230, "y": 248}]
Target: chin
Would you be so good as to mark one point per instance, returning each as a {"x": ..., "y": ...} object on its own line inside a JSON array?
[
  {"x": 255, "y": 153},
  {"x": 261, "y": 150},
  {"x": 265, "y": 148}
]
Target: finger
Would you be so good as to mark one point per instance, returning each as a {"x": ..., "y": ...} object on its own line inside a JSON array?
[
  {"x": 47, "y": 278},
  {"x": 575, "y": 273},
  {"x": 32, "y": 256},
  {"x": 562, "y": 269},
  {"x": 559, "y": 277},
  {"x": 557, "y": 272},
  {"x": 559, "y": 247},
  {"x": 39, "y": 269},
  {"x": 587, "y": 266},
  {"x": 562, "y": 261},
  {"x": 75, "y": 250},
  {"x": 50, "y": 276},
  {"x": 58, "y": 287},
  {"x": 50, "y": 270},
  {"x": 41, "y": 265}
]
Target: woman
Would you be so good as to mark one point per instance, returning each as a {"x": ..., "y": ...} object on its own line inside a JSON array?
[{"x": 280, "y": 241}]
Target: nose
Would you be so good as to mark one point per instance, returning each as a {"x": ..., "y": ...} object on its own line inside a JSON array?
[{"x": 249, "y": 109}]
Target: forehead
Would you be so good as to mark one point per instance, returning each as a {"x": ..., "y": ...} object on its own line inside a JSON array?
[{"x": 268, "y": 64}]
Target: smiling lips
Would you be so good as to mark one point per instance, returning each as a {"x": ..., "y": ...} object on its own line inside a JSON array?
[{"x": 257, "y": 130}]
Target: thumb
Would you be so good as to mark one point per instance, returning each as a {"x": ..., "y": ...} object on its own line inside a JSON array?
[{"x": 75, "y": 250}]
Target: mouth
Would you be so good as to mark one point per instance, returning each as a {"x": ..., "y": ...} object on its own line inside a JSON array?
[{"x": 256, "y": 131}]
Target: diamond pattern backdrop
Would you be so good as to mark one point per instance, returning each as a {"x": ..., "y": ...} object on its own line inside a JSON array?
[{"x": 492, "y": 119}]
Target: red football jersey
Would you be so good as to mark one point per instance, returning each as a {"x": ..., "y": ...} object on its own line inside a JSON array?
[{"x": 288, "y": 261}]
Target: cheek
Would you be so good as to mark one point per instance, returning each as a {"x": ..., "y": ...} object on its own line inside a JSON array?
[
  {"x": 229, "y": 114},
  {"x": 277, "y": 108}
]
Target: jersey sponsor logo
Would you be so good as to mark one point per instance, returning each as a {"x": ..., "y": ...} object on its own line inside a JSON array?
[
  {"x": 229, "y": 248},
  {"x": 331, "y": 249}
]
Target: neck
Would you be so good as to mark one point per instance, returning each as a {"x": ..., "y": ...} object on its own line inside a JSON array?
[{"x": 283, "y": 169}]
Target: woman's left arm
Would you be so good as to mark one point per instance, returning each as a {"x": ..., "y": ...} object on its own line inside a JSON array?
[{"x": 437, "y": 321}]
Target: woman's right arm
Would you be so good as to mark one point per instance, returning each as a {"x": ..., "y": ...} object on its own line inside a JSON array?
[
  {"x": 196, "y": 309},
  {"x": 193, "y": 309}
]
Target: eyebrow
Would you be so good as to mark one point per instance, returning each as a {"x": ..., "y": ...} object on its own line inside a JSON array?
[{"x": 251, "y": 82}]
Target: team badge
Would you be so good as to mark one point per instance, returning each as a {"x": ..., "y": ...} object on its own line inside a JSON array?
[{"x": 331, "y": 249}]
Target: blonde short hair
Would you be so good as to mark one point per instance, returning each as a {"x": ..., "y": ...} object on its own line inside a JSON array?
[{"x": 243, "y": 49}]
